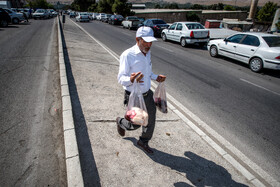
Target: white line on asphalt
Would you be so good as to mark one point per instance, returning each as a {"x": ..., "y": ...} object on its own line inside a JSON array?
[
  {"x": 197, "y": 125},
  {"x": 259, "y": 86}
]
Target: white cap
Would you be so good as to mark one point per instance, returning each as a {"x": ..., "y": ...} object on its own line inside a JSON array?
[{"x": 146, "y": 33}]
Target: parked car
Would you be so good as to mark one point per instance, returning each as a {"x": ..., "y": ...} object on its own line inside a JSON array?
[
  {"x": 186, "y": 33},
  {"x": 115, "y": 19},
  {"x": 5, "y": 19},
  {"x": 90, "y": 16},
  {"x": 259, "y": 50},
  {"x": 82, "y": 17},
  {"x": 53, "y": 13},
  {"x": 100, "y": 16},
  {"x": 94, "y": 16},
  {"x": 41, "y": 14},
  {"x": 72, "y": 14},
  {"x": 131, "y": 22},
  {"x": 106, "y": 18},
  {"x": 156, "y": 24},
  {"x": 16, "y": 17}
]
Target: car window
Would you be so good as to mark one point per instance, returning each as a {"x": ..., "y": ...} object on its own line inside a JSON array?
[
  {"x": 158, "y": 21},
  {"x": 272, "y": 41},
  {"x": 179, "y": 27},
  {"x": 192, "y": 26},
  {"x": 235, "y": 38},
  {"x": 251, "y": 40},
  {"x": 172, "y": 27}
]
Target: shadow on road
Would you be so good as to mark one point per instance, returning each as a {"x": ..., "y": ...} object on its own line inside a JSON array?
[
  {"x": 88, "y": 165},
  {"x": 199, "y": 171}
]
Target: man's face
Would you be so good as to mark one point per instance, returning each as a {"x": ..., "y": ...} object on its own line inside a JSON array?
[{"x": 143, "y": 46}]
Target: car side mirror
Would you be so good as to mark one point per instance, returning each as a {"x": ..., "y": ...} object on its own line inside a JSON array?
[{"x": 226, "y": 40}]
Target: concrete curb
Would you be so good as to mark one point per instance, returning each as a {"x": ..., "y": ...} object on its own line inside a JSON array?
[{"x": 73, "y": 166}]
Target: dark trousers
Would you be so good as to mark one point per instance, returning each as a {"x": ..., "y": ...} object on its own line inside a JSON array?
[{"x": 147, "y": 132}]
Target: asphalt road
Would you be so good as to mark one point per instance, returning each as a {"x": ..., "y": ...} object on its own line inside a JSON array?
[
  {"x": 242, "y": 106},
  {"x": 31, "y": 134}
]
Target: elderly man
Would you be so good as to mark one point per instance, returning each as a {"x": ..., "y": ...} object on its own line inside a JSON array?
[{"x": 135, "y": 64}]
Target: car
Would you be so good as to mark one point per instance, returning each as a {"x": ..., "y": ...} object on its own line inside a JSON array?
[
  {"x": 100, "y": 16},
  {"x": 131, "y": 22},
  {"x": 53, "y": 13},
  {"x": 5, "y": 18},
  {"x": 186, "y": 33},
  {"x": 16, "y": 17},
  {"x": 156, "y": 24},
  {"x": 72, "y": 15},
  {"x": 41, "y": 14},
  {"x": 90, "y": 16},
  {"x": 82, "y": 17},
  {"x": 258, "y": 50},
  {"x": 94, "y": 16},
  {"x": 115, "y": 19},
  {"x": 106, "y": 18}
]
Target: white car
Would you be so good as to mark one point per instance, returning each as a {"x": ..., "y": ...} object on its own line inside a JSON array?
[
  {"x": 100, "y": 16},
  {"x": 186, "y": 33},
  {"x": 41, "y": 14},
  {"x": 259, "y": 50}
]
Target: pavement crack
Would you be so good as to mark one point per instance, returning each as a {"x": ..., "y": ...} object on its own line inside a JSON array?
[{"x": 9, "y": 129}]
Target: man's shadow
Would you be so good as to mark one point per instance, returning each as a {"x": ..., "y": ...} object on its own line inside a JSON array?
[{"x": 199, "y": 171}]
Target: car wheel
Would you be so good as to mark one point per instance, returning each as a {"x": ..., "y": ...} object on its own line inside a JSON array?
[
  {"x": 256, "y": 64},
  {"x": 4, "y": 23},
  {"x": 129, "y": 27},
  {"x": 163, "y": 36},
  {"x": 183, "y": 42},
  {"x": 15, "y": 21},
  {"x": 213, "y": 51}
]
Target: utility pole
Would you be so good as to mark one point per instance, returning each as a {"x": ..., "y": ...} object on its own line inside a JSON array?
[{"x": 253, "y": 9}]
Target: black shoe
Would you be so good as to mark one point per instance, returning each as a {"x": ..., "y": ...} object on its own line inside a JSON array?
[
  {"x": 145, "y": 147},
  {"x": 120, "y": 130}
]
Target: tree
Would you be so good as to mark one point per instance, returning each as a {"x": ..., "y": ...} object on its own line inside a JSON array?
[
  {"x": 267, "y": 12},
  {"x": 39, "y": 4},
  {"x": 191, "y": 16},
  {"x": 121, "y": 7},
  {"x": 229, "y": 8}
]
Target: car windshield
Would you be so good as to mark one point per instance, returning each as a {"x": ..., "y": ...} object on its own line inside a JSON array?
[
  {"x": 192, "y": 26},
  {"x": 119, "y": 16},
  {"x": 272, "y": 41},
  {"x": 40, "y": 11},
  {"x": 158, "y": 21},
  {"x": 132, "y": 17}
]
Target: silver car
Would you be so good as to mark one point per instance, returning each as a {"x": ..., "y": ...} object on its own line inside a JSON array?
[
  {"x": 82, "y": 17},
  {"x": 16, "y": 17}
]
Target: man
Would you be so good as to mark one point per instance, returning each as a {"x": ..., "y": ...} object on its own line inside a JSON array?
[{"x": 135, "y": 64}]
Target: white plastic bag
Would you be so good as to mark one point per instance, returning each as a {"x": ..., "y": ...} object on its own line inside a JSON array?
[
  {"x": 136, "y": 111},
  {"x": 160, "y": 98}
]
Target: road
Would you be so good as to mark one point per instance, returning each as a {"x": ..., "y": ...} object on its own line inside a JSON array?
[
  {"x": 31, "y": 134},
  {"x": 242, "y": 106}
]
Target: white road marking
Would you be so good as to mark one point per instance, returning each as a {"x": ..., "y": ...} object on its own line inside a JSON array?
[{"x": 259, "y": 86}]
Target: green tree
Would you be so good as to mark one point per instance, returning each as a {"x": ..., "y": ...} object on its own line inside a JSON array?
[
  {"x": 121, "y": 7},
  {"x": 267, "y": 12},
  {"x": 191, "y": 16},
  {"x": 229, "y": 7},
  {"x": 39, "y": 4},
  {"x": 197, "y": 7}
]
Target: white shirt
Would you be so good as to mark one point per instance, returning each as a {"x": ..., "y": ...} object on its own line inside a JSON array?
[{"x": 133, "y": 60}]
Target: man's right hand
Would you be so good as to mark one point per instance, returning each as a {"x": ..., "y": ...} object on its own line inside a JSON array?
[{"x": 138, "y": 76}]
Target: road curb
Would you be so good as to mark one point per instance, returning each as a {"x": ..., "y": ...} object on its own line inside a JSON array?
[{"x": 73, "y": 165}]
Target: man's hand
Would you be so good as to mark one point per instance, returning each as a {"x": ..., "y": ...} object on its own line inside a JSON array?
[
  {"x": 138, "y": 76},
  {"x": 161, "y": 78}
]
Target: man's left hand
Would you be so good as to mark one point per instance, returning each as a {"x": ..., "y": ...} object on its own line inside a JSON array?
[{"x": 161, "y": 78}]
